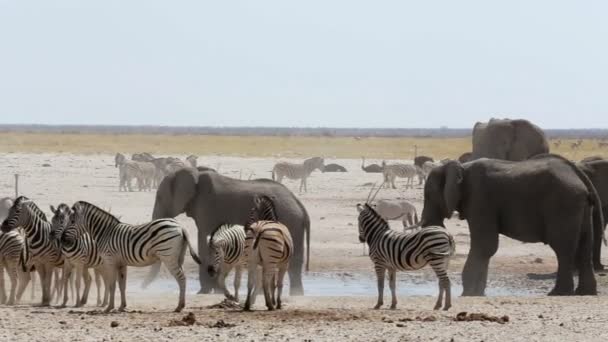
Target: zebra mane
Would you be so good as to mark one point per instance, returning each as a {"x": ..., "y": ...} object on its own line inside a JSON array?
[
  {"x": 33, "y": 207},
  {"x": 89, "y": 208}
]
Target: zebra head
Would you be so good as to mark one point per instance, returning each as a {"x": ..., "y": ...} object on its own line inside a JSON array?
[
  {"x": 119, "y": 159},
  {"x": 15, "y": 215},
  {"x": 216, "y": 255},
  {"x": 60, "y": 220},
  {"x": 367, "y": 213}
]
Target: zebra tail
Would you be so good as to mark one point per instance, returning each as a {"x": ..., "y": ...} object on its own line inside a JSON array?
[
  {"x": 154, "y": 271},
  {"x": 193, "y": 253}
]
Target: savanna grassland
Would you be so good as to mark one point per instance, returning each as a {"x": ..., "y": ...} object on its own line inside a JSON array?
[{"x": 263, "y": 146}]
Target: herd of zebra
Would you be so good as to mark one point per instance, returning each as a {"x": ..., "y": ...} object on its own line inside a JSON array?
[
  {"x": 84, "y": 237},
  {"x": 148, "y": 171}
]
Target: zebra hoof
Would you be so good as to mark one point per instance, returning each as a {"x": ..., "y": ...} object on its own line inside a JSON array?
[
  {"x": 394, "y": 307},
  {"x": 378, "y": 306}
]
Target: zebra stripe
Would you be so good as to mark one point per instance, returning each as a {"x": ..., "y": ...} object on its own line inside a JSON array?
[
  {"x": 395, "y": 251},
  {"x": 43, "y": 252},
  {"x": 227, "y": 251},
  {"x": 267, "y": 244},
  {"x": 297, "y": 171},
  {"x": 143, "y": 172},
  {"x": 121, "y": 245}
]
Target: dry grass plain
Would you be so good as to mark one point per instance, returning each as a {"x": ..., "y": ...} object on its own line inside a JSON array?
[{"x": 81, "y": 167}]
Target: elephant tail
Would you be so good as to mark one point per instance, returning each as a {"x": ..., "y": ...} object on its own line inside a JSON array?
[
  {"x": 154, "y": 271},
  {"x": 416, "y": 217},
  {"x": 306, "y": 227},
  {"x": 192, "y": 251},
  {"x": 273, "y": 174}
]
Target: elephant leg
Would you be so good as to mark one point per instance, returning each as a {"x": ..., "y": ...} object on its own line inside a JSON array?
[
  {"x": 586, "y": 279},
  {"x": 597, "y": 246},
  {"x": 206, "y": 282},
  {"x": 484, "y": 244}
]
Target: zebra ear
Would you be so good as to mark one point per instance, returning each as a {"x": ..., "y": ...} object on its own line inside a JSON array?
[
  {"x": 53, "y": 209},
  {"x": 359, "y": 207}
]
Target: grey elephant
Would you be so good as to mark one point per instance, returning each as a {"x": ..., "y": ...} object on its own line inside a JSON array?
[
  {"x": 506, "y": 139},
  {"x": 596, "y": 169},
  {"x": 212, "y": 200},
  {"x": 545, "y": 199}
]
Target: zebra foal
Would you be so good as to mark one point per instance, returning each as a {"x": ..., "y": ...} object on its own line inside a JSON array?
[
  {"x": 120, "y": 245},
  {"x": 297, "y": 171},
  {"x": 394, "y": 251},
  {"x": 268, "y": 244},
  {"x": 227, "y": 251}
]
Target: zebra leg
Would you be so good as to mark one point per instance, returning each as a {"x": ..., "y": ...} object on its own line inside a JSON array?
[
  {"x": 33, "y": 290},
  {"x": 2, "y": 286},
  {"x": 280, "y": 278},
  {"x": 237, "y": 282},
  {"x": 221, "y": 282},
  {"x": 440, "y": 266},
  {"x": 67, "y": 273},
  {"x": 86, "y": 277},
  {"x": 392, "y": 280},
  {"x": 380, "y": 273},
  {"x": 24, "y": 279},
  {"x": 13, "y": 275},
  {"x": 268, "y": 276},
  {"x": 251, "y": 278},
  {"x": 109, "y": 274},
  {"x": 98, "y": 286},
  {"x": 122, "y": 283},
  {"x": 45, "y": 274},
  {"x": 178, "y": 273}
]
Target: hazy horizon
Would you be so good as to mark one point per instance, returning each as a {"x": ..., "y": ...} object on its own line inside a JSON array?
[{"x": 339, "y": 64}]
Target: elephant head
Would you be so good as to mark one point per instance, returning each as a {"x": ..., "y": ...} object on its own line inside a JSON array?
[
  {"x": 442, "y": 193},
  {"x": 175, "y": 193}
]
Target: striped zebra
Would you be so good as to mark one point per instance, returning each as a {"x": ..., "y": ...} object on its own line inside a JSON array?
[
  {"x": 79, "y": 255},
  {"x": 12, "y": 250},
  {"x": 143, "y": 172},
  {"x": 227, "y": 252},
  {"x": 392, "y": 171},
  {"x": 43, "y": 253},
  {"x": 395, "y": 251},
  {"x": 297, "y": 171},
  {"x": 121, "y": 245},
  {"x": 268, "y": 244}
]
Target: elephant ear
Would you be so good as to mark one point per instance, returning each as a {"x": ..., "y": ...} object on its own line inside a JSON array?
[
  {"x": 183, "y": 189},
  {"x": 452, "y": 191}
]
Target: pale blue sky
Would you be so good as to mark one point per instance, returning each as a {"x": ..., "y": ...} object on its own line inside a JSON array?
[{"x": 333, "y": 63}]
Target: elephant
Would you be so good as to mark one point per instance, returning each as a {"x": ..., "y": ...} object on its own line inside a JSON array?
[
  {"x": 596, "y": 169},
  {"x": 514, "y": 140},
  {"x": 544, "y": 199},
  {"x": 212, "y": 200}
]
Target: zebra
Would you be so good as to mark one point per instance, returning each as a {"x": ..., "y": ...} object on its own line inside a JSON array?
[
  {"x": 397, "y": 210},
  {"x": 268, "y": 244},
  {"x": 12, "y": 250},
  {"x": 44, "y": 254},
  {"x": 392, "y": 171},
  {"x": 79, "y": 256},
  {"x": 192, "y": 160},
  {"x": 121, "y": 245},
  {"x": 395, "y": 251},
  {"x": 227, "y": 251},
  {"x": 297, "y": 171}
]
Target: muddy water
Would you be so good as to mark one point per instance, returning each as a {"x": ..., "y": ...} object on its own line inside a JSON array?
[{"x": 351, "y": 284}]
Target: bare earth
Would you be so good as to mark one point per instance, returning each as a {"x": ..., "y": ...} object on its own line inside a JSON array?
[{"x": 519, "y": 273}]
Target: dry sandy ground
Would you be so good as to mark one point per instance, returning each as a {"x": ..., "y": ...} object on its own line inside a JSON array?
[{"x": 517, "y": 269}]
